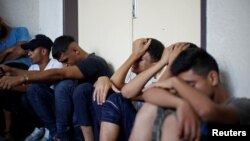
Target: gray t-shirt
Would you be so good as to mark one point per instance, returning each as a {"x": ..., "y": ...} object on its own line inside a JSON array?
[{"x": 242, "y": 107}]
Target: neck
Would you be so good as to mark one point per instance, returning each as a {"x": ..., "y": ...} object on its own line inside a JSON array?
[
  {"x": 221, "y": 95},
  {"x": 44, "y": 63},
  {"x": 83, "y": 54}
]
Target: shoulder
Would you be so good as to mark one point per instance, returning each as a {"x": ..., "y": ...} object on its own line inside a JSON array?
[
  {"x": 93, "y": 60},
  {"x": 242, "y": 107},
  {"x": 53, "y": 63},
  {"x": 238, "y": 101},
  {"x": 34, "y": 67},
  {"x": 93, "y": 56},
  {"x": 20, "y": 29},
  {"x": 21, "y": 33}
]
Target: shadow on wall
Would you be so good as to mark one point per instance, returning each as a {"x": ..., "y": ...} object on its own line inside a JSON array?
[{"x": 226, "y": 82}]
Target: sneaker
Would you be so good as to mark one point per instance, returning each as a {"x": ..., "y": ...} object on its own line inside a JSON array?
[
  {"x": 36, "y": 135},
  {"x": 46, "y": 136}
]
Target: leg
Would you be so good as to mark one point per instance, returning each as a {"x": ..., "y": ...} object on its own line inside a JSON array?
[
  {"x": 146, "y": 114},
  {"x": 41, "y": 99},
  {"x": 8, "y": 124},
  {"x": 64, "y": 108},
  {"x": 109, "y": 131},
  {"x": 82, "y": 99},
  {"x": 118, "y": 114},
  {"x": 87, "y": 132},
  {"x": 11, "y": 105},
  {"x": 169, "y": 129}
]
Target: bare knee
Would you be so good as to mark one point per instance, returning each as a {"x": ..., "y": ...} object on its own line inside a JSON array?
[
  {"x": 146, "y": 114},
  {"x": 169, "y": 130}
]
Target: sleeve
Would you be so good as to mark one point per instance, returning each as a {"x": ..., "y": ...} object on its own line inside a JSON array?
[
  {"x": 22, "y": 34},
  {"x": 92, "y": 67},
  {"x": 130, "y": 75}
]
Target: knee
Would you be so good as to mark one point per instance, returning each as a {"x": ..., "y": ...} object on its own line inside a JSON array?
[
  {"x": 33, "y": 87},
  {"x": 170, "y": 123},
  {"x": 116, "y": 97},
  {"x": 147, "y": 113},
  {"x": 65, "y": 86},
  {"x": 66, "y": 83},
  {"x": 32, "y": 90},
  {"x": 83, "y": 90},
  {"x": 36, "y": 91}
]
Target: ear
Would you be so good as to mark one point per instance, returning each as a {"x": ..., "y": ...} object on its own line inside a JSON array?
[
  {"x": 213, "y": 78},
  {"x": 76, "y": 50},
  {"x": 44, "y": 51}
]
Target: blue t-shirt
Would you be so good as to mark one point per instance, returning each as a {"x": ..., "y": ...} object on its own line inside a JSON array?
[{"x": 16, "y": 35}]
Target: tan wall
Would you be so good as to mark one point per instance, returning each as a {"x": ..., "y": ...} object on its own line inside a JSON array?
[{"x": 107, "y": 27}]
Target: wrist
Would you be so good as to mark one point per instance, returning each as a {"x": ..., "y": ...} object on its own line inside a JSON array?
[
  {"x": 135, "y": 56},
  {"x": 25, "y": 78}
]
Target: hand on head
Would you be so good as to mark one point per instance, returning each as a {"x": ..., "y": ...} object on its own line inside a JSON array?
[{"x": 140, "y": 46}]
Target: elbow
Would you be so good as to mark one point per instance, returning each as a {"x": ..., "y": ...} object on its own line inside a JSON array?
[{"x": 126, "y": 93}]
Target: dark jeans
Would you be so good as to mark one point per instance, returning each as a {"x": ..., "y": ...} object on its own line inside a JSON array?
[
  {"x": 53, "y": 107},
  {"x": 16, "y": 103},
  {"x": 87, "y": 112},
  {"x": 116, "y": 109}
]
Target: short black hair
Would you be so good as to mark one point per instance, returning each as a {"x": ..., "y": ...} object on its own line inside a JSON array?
[
  {"x": 195, "y": 59},
  {"x": 61, "y": 44},
  {"x": 155, "y": 49}
]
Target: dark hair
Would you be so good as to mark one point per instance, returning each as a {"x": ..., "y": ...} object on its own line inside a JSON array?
[
  {"x": 155, "y": 49},
  {"x": 3, "y": 31},
  {"x": 195, "y": 59},
  {"x": 61, "y": 44},
  {"x": 44, "y": 41},
  {"x": 192, "y": 45}
]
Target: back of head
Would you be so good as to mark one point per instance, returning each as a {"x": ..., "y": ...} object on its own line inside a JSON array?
[
  {"x": 61, "y": 44},
  {"x": 155, "y": 49},
  {"x": 195, "y": 59}
]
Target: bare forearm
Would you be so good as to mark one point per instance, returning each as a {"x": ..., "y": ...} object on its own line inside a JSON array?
[
  {"x": 13, "y": 52},
  {"x": 201, "y": 103},
  {"x": 15, "y": 71},
  {"x": 166, "y": 74},
  {"x": 118, "y": 77},
  {"x": 3, "y": 55},
  {"x": 161, "y": 97},
  {"x": 43, "y": 76},
  {"x": 134, "y": 87}
]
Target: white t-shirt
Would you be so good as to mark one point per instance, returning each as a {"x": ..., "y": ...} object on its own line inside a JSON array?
[
  {"x": 53, "y": 63},
  {"x": 130, "y": 75}
]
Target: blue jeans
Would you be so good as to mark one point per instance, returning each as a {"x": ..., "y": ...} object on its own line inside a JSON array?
[
  {"x": 120, "y": 111},
  {"x": 53, "y": 107},
  {"x": 87, "y": 112}
]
